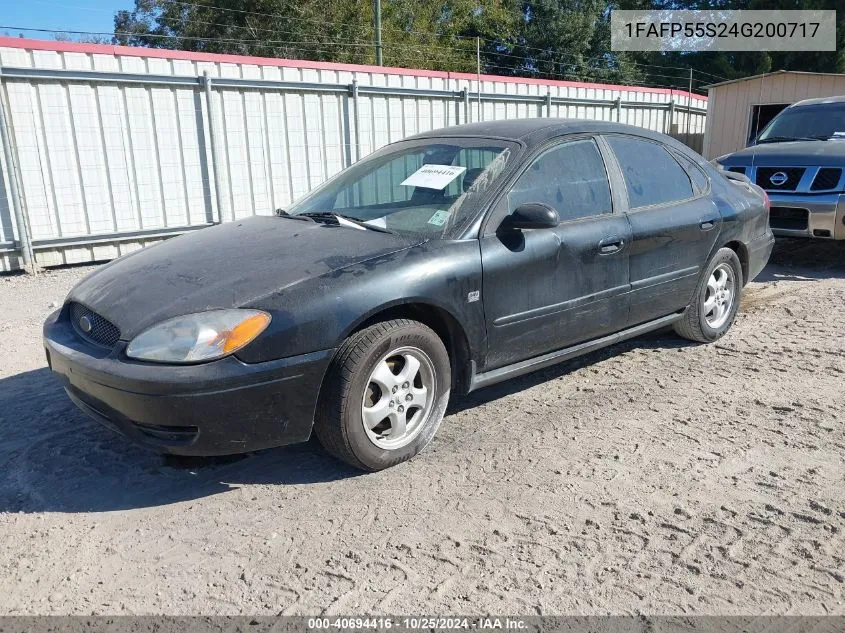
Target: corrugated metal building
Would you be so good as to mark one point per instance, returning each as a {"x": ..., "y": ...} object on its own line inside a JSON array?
[{"x": 737, "y": 110}]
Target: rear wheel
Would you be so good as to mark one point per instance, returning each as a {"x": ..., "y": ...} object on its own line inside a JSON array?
[
  {"x": 384, "y": 395},
  {"x": 714, "y": 307}
]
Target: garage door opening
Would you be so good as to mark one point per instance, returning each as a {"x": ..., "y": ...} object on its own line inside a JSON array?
[{"x": 760, "y": 117}]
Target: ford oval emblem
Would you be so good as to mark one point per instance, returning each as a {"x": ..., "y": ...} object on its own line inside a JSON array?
[
  {"x": 85, "y": 324},
  {"x": 778, "y": 178}
]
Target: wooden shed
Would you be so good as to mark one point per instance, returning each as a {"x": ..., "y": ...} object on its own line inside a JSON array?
[{"x": 737, "y": 110}]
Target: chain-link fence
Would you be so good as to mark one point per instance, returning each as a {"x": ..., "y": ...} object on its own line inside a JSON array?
[{"x": 105, "y": 151}]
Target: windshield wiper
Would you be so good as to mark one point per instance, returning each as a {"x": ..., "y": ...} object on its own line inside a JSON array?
[
  {"x": 784, "y": 139},
  {"x": 329, "y": 215},
  {"x": 281, "y": 213}
]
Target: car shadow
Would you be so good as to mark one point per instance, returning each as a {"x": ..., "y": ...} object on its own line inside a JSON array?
[
  {"x": 56, "y": 459},
  {"x": 660, "y": 339},
  {"x": 59, "y": 460},
  {"x": 805, "y": 260}
]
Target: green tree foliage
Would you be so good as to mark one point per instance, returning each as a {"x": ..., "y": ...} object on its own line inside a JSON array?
[
  {"x": 419, "y": 34},
  {"x": 308, "y": 29},
  {"x": 566, "y": 39},
  {"x": 733, "y": 65}
]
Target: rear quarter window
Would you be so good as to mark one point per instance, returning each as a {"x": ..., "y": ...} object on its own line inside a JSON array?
[
  {"x": 700, "y": 181},
  {"x": 652, "y": 175}
]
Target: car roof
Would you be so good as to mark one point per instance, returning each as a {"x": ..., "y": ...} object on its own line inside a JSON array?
[
  {"x": 535, "y": 130},
  {"x": 819, "y": 101}
]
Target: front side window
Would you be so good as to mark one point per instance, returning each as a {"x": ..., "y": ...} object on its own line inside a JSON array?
[
  {"x": 570, "y": 177},
  {"x": 420, "y": 189},
  {"x": 652, "y": 175}
]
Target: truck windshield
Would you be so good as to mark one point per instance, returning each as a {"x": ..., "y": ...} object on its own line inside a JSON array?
[
  {"x": 421, "y": 189},
  {"x": 812, "y": 122}
]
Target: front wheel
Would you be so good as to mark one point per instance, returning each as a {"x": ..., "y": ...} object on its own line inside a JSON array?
[
  {"x": 716, "y": 301},
  {"x": 384, "y": 395}
]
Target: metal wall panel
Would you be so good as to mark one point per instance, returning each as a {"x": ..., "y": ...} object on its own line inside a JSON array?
[
  {"x": 730, "y": 105},
  {"x": 114, "y": 151}
]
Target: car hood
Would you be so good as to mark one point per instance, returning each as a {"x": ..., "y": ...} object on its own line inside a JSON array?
[
  {"x": 790, "y": 154},
  {"x": 225, "y": 266}
]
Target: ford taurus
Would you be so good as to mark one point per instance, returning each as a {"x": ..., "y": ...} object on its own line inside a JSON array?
[{"x": 445, "y": 262}]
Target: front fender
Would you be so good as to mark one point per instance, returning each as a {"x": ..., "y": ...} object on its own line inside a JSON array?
[{"x": 321, "y": 313}]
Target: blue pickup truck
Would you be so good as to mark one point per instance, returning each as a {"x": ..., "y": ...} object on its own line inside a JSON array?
[{"x": 799, "y": 160}]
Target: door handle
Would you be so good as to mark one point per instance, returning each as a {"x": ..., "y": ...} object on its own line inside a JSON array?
[
  {"x": 611, "y": 245},
  {"x": 706, "y": 225}
]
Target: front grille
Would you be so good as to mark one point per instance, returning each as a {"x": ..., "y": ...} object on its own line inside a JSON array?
[
  {"x": 789, "y": 218},
  {"x": 101, "y": 332},
  {"x": 793, "y": 177},
  {"x": 827, "y": 178},
  {"x": 737, "y": 170}
]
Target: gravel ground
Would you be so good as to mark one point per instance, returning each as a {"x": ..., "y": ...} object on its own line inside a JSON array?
[{"x": 656, "y": 477}]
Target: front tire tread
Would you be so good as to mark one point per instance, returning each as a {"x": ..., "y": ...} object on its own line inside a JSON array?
[{"x": 336, "y": 392}]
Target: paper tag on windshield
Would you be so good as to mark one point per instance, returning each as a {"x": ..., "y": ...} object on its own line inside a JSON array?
[
  {"x": 381, "y": 222},
  {"x": 439, "y": 218},
  {"x": 351, "y": 225},
  {"x": 433, "y": 176}
]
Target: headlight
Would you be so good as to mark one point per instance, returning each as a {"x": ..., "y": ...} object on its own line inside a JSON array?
[{"x": 198, "y": 337}]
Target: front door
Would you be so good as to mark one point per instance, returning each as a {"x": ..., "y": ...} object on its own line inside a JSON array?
[
  {"x": 673, "y": 221},
  {"x": 546, "y": 289}
]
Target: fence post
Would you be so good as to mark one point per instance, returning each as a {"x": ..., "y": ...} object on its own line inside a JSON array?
[
  {"x": 671, "y": 116},
  {"x": 11, "y": 165},
  {"x": 548, "y": 104},
  {"x": 689, "y": 106},
  {"x": 211, "y": 139},
  {"x": 478, "y": 74},
  {"x": 353, "y": 88},
  {"x": 619, "y": 109},
  {"x": 466, "y": 105}
]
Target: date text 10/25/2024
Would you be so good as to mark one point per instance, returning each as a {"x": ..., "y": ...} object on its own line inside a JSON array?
[{"x": 418, "y": 623}]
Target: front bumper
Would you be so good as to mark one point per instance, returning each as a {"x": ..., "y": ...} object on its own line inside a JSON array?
[
  {"x": 803, "y": 215},
  {"x": 217, "y": 408}
]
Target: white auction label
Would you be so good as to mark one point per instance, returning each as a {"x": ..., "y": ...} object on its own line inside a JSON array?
[{"x": 433, "y": 176}]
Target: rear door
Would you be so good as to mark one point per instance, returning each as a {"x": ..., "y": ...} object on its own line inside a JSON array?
[
  {"x": 674, "y": 225},
  {"x": 546, "y": 289}
]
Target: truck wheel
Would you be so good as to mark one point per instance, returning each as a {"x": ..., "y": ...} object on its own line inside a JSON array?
[
  {"x": 714, "y": 306},
  {"x": 384, "y": 394}
]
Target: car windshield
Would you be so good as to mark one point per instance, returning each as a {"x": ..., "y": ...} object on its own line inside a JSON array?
[
  {"x": 422, "y": 189},
  {"x": 811, "y": 122}
]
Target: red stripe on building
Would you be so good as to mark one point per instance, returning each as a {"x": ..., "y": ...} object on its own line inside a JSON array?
[{"x": 218, "y": 58}]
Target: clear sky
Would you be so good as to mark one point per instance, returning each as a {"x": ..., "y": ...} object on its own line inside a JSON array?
[{"x": 70, "y": 15}]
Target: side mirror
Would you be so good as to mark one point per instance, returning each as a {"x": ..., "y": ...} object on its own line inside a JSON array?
[{"x": 534, "y": 215}]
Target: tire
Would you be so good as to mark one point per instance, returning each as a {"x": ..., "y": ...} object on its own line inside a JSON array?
[
  {"x": 703, "y": 321},
  {"x": 357, "y": 390}
]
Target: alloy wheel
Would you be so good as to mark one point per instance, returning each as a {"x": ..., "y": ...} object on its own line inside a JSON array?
[
  {"x": 398, "y": 397},
  {"x": 719, "y": 296}
]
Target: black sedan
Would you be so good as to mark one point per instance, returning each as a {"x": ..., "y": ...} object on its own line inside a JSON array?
[{"x": 445, "y": 262}]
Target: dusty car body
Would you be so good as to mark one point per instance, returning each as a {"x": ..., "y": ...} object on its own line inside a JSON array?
[
  {"x": 799, "y": 159},
  {"x": 501, "y": 280}
]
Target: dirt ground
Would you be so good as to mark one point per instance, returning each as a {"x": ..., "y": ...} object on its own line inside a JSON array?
[{"x": 654, "y": 477}]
